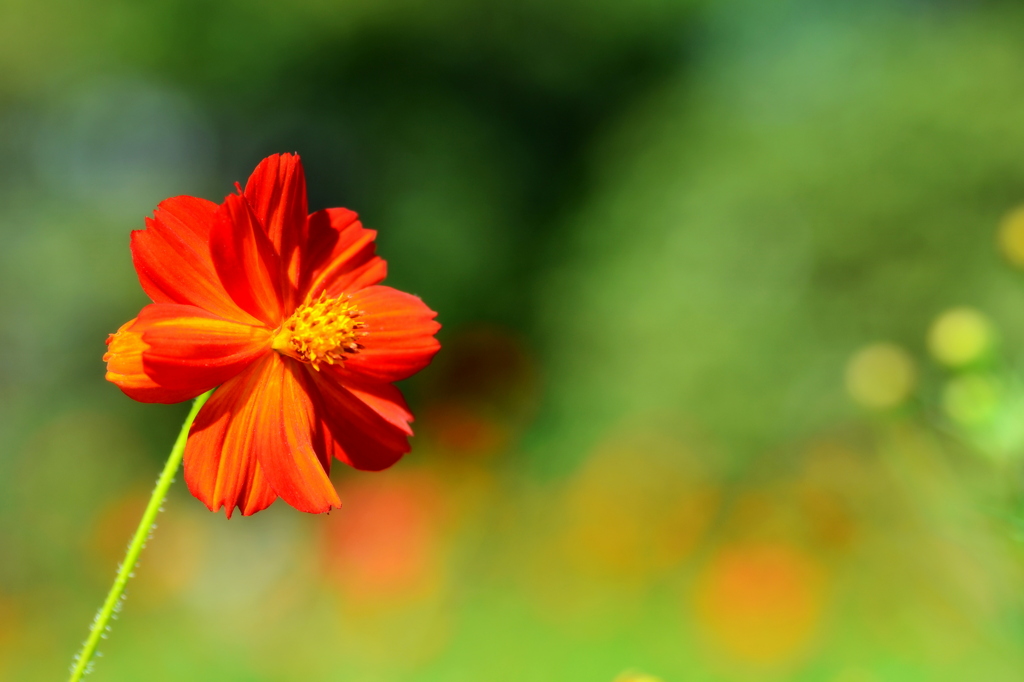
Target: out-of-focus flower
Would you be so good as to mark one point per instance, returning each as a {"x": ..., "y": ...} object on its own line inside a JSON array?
[
  {"x": 385, "y": 558},
  {"x": 639, "y": 521},
  {"x": 880, "y": 376},
  {"x": 960, "y": 336},
  {"x": 284, "y": 312},
  {"x": 761, "y": 603},
  {"x": 386, "y": 546}
]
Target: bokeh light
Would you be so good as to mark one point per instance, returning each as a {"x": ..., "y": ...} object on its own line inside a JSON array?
[
  {"x": 880, "y": 376},
  {"x": 960, "y": 336},
  {"x": 761, "y": 603},
  {"x": 387, "y": 547}
]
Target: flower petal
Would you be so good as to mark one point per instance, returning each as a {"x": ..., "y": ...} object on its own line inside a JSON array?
[
  {"x": 246, "y": 261},
  {"x": 338, "y": 254},
  {"x": 172, "y": 257},
  {"x": 259, "y": 496},
  {"x": 188, "y": 347},
  {"x": 383, "y": 398},
  {"x": 124, "y": 368},
  {"x": 399, "y": 334},
  {"x": 367, "y": 434},
  {"x": 221, "y": 467},
  {"x": 284, "y": 439},
  {"x": 276, "y": 190}
]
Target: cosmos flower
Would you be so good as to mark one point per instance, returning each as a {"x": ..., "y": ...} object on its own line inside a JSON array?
[{"x": 283, "y": 311}]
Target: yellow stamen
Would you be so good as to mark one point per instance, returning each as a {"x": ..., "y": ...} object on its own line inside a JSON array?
[{"x": 321, "y": 330}]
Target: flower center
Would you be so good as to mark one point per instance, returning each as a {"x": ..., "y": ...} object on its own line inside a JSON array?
[{"x": 320, "y": 330}]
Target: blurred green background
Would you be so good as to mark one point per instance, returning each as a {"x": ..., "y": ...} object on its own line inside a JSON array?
[{"x": 732, "y": 382}]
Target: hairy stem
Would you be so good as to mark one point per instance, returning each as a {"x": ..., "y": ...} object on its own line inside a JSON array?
[{"x": 83, "y": 661}]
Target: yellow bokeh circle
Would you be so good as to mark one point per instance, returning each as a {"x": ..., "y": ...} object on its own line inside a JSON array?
[
  {"x": 960, "y": 336},
  {"x": 880, "y": 376}
]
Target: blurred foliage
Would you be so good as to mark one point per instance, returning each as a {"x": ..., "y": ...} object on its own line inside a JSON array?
[{"x": 731, "y": 386}]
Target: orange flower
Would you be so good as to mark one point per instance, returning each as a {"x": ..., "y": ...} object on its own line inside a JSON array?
[{"x": 283, "y": 312}]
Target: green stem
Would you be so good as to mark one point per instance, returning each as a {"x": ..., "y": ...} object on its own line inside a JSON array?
[{"x": 112, "y": 605}]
